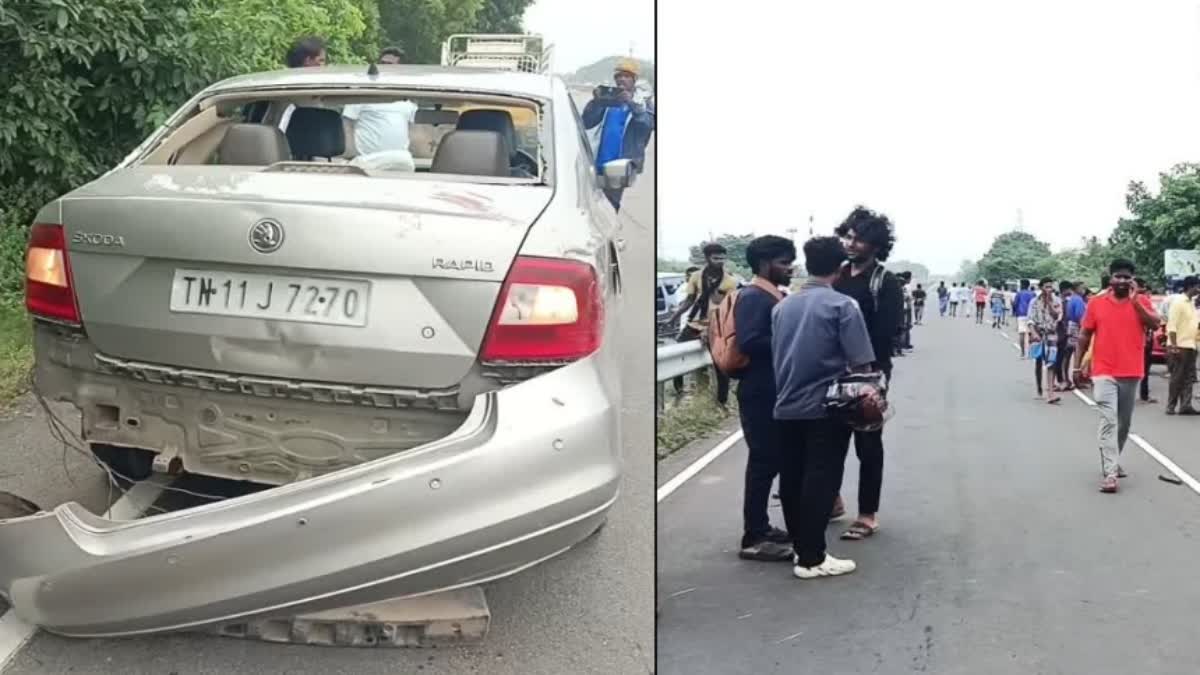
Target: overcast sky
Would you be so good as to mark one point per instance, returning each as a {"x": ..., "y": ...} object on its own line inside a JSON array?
[
  {"x": 948, "y": 116},
  {"x": 584, "y": 32}
]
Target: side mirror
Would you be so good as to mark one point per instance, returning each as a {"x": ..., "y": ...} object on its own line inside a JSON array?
[{"x": 618, "y": 174}]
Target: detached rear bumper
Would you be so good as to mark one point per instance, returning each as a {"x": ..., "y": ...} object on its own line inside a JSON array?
[{"x": 531, "y": 472}]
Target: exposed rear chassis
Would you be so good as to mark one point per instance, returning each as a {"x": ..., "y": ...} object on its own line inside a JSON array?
[{"x": 531, "y": 472}]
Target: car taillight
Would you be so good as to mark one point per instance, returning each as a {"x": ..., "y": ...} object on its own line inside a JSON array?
[
  {"x": 550, "y": 309},
  {"x": 48, "y": 285}
]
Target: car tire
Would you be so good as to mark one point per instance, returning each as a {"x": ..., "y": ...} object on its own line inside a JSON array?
[{"x": 132, "y": 463}]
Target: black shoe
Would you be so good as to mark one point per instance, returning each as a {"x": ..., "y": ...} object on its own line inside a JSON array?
[
  {"x": 1189, "y": 411},
  {"x": 766, "y": 551},
  {"x": 778, "y": 536}
]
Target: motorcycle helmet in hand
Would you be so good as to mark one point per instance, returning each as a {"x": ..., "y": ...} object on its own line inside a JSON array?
[{"x": 860, "y": 400}]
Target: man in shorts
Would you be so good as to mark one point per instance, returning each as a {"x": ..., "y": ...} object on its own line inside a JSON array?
[{"x": 1021, "y": 312}]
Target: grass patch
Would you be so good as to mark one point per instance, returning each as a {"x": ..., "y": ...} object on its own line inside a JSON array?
[
  {"x": 692, "y": 418},
  {"x": 16, "y": 351}
]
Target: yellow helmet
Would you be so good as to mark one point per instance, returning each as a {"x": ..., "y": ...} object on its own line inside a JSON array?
[{"x": 627, "y": 66}]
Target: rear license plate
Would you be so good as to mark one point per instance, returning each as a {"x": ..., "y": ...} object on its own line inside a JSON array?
[{"x": 339, "y": 302}]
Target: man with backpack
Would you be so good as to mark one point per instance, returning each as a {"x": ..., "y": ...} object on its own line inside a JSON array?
[
  {"x": 740, "y": 340},
  {"x": 869, "y": 238}
]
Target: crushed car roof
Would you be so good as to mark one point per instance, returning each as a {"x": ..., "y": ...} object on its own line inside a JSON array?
[{"x": 478, "y": 79}]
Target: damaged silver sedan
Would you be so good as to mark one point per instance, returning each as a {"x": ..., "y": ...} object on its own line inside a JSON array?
[{"x": 404, "y": 348}]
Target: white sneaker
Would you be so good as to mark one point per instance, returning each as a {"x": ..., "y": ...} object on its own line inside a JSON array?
[{"x": 832, "y": 567}]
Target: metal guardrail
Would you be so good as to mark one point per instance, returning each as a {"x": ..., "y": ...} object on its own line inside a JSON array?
[
  {"x": 676, "y": 360},
  {"x": 680, "y": 359}
]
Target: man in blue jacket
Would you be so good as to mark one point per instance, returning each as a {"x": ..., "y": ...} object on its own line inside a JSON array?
[
  {"x": 625, "y": 123},
  {"x": 1021, "y": 312},
  {"x": 771, "y": 257}
]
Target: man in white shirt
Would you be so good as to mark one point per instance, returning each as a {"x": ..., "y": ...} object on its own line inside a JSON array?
[{"x": 381, "y": 127}]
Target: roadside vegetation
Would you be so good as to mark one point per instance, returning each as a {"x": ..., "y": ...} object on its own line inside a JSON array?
[{"x": 691, "y": 418}]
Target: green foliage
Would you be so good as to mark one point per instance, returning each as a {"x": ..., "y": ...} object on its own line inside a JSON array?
[
  {"x": 420, "y": 26},
  {"x": 1083, "y": 263},
  {"x": 692, "y": 418},
  {"x": 1014, "y": 255},
  {"x": 1157, "y": 222},
  {"x": 501, "y": 16},
  {"x": 16, "y": 350},
  {"x": 87, "y": 80}
]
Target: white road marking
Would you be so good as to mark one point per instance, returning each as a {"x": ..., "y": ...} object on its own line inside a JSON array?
[
  {"x": 679, "y": 593},
  {"x": 790, "y": 637},
  {"x": 698, "y": 465},
  {"x": 1154, "y": 452},
  {"x": 1083, "y": 397},
  {"x": 15, "y": 633}
]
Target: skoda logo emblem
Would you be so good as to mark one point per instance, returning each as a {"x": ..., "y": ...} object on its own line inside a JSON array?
[{"x": 266, "y": 236}]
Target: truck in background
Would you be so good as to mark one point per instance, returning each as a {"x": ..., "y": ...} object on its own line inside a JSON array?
[{"x": 526, "y": 53}]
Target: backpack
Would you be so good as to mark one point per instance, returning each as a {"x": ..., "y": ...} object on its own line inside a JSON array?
[{"x": 722, "y": 331}]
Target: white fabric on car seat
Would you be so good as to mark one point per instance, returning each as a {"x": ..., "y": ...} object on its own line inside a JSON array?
[{"x": 388, "y": 160}]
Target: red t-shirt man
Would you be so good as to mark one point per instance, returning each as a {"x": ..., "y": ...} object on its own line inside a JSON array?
[{"x": 1118, "y": 335}]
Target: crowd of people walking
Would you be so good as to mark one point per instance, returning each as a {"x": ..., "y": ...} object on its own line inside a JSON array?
[{"x": 1104, "y": 341}]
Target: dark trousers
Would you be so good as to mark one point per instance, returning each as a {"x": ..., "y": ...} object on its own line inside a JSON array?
[
  {"x": 614, "y": 197},
  {"x": 1062, "y": 366},
  {"x": 1145, "y": 388},
  {"x": 868, "y": 447},
  {"x": 1183, "y": 379},
  {"x": 762, "y": 465},
  {"x": 813, "y": 458},
  {"x": 689, "y": 334}
]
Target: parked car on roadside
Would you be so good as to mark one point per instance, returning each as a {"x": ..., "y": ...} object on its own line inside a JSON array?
[
  {"x": 666, "y": 297},
  {"x": 415, "y": 352}
]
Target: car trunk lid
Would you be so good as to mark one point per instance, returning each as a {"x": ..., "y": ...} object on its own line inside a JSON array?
[{"x": 331, "y": 278}]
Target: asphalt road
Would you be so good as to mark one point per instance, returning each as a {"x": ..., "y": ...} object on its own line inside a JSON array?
[
  {"x": 997, "y": 554},
  {"x": 587, "y": 611}
]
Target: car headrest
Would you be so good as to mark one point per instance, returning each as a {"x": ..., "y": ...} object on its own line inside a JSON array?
[
  {"x": 316, "y": 132},
  {"x": 253, "y": 145},
  {"x": 474, "y": 153},
  {"x": 489, "y": 119}
]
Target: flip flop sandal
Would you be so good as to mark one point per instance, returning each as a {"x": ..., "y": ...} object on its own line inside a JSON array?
[
  {"x": 859, "y": 531},
  {"x": 837, "y": 513},
  {"x": 1056, "y": 399}
]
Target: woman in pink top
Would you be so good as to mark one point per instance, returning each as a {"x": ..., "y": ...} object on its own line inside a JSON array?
[{"x": 981, "y": 298}]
